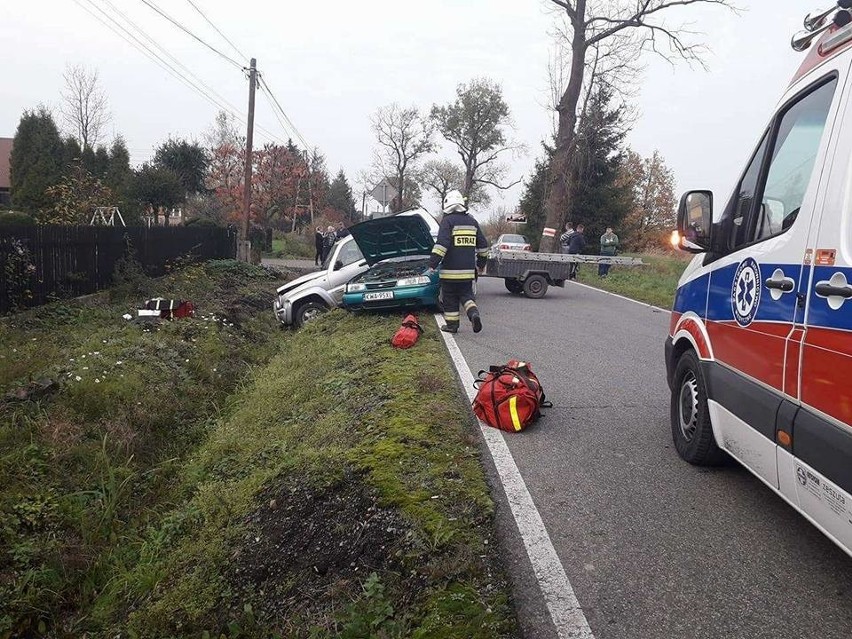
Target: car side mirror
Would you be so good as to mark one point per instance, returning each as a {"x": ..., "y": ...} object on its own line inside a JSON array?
[
  {"x": 695, "y": 222},
  {"x": 338, "y": 265}
]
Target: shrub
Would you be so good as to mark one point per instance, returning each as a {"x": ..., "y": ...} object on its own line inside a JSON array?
[
  {"x": 202, "y": 222},
  {"x": 15, "y": 218}
]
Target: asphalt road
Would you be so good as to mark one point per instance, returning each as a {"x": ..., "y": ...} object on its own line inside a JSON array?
[{"x": 652, "y": 546}]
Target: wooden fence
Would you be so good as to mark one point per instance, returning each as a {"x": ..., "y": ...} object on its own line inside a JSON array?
[{"x": 42, "y": 263}]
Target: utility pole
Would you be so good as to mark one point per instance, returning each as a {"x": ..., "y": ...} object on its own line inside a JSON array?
[{"x": 244, "y": 253}]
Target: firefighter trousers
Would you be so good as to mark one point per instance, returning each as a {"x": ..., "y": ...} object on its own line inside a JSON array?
[{"x": 455, "y": 293}]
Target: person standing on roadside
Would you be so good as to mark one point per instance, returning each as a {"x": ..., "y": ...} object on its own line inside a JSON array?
[
  {"x": 565, "y": 238},
  {"x": 609, "y": 246},
  {"x": 342, "y": 231},
  {"x": 318, "y": 242},
  {"x": 328, "y": 241},
  {"x": 576, "y": 244},
  {"x": 462, "y": 249}
]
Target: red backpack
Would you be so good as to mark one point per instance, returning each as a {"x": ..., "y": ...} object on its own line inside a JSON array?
[
  {"x": 408, "y": 333},
  {"x": 509, "y": 397}
]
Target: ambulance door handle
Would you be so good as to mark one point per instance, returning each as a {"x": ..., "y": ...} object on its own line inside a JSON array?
[
  {"x": 778, "y": 284},
  {"x": 825, "y": 289},
  {"x": 835, "y": 290},
  {"x": 785, "y": 286}
]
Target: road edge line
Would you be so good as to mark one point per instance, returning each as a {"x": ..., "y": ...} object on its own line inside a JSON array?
[
  {"x": 562, "y": 604},
  {"x": 623, "y": 297}
]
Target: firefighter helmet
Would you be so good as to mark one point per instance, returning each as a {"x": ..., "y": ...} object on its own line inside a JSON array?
[{"x": 454, "y": 202}]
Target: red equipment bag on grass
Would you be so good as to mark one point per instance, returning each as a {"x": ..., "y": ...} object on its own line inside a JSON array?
[
  {"x": 509, "y": 397},
  {"x": 408, "y": 333},
  {"x": 170, "y": 308}
]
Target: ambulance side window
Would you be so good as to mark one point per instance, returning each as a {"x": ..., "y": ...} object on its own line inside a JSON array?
[
  {"x": 734, "y": 223},
  {"x": 794, "y": 154}
]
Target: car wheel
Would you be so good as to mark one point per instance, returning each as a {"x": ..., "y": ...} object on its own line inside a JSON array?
[
  {"x": 514, "y": 286},
  {"x": 535, "y": 286},
  {"x": 309, "y": 311},
  {"x": 692, "y": 431}
]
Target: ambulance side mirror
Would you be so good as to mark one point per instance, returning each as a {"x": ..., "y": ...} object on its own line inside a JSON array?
[{"x": 695, "y": 221}]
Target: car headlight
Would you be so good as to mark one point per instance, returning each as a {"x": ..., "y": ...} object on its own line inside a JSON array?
[
  {"x": 413, "y": 281},
  {"x": 356, "y": 287}
]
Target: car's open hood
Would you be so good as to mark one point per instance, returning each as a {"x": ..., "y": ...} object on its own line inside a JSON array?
[{"x": 396, "y": 236}]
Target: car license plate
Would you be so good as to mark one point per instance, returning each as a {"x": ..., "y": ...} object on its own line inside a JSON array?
[{"x": 383, "y": 295}]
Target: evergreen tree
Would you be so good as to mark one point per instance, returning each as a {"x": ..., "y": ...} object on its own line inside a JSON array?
[
  {"x": 187, "y": 160},
  {"x": 535, "y": 194},
  {"x": 118, "y": 173},
  {"x": 340, "y": 197},
  {"x": 155, "y": 188},
  {"x": 37, "y": 161},
  {"x": 598, "y": 197},
  {"x": 72, "y": 153},
  {"x": 100, "y": 167}
]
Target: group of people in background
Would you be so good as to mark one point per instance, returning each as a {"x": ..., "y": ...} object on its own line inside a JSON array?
[
  {"x": 324, "y": 241},
  {"x": 573, "y": 242}
]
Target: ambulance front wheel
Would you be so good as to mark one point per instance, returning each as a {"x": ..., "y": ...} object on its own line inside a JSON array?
[{"x": 691, "y": 429}]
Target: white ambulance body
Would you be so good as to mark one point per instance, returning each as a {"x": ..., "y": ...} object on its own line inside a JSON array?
[{"x": 759, "y": 353}]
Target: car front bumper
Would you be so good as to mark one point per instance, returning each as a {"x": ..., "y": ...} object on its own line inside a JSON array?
[
  {"x": 409, "y": 296},
  {"x": 283, "y": 310}
]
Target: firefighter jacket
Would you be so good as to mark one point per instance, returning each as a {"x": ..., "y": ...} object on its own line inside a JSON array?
[{"x": 461, "y": 247}]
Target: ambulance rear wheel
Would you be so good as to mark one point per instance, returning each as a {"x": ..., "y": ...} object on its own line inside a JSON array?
[
  {"x": 692, "y": 432},
  {"x": 514, "y": 286},
  {"x": 535, "y": 286}
]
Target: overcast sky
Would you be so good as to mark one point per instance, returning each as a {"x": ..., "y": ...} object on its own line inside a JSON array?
[{"x": 332, "y": 63}]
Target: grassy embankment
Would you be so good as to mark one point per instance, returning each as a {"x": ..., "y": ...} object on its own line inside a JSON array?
[
  {"x": 293, "y": 246},
  {"x": 218, "y": 477},
  {"x": 655, "y": 283}
]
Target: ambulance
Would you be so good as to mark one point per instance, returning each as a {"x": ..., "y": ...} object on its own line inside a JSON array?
[{"x": 759, "y": 353}]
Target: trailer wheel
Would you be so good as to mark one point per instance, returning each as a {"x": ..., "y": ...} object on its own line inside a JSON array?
[
  {"x": 535, "y": 286},
  {"x": 514, "y": 286},
  {"x": 692, "y": 432}
]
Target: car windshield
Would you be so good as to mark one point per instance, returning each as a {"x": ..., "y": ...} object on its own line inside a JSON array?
[{"x": 514, "y": 239}]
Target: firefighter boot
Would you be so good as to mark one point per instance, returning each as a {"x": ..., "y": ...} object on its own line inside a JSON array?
[
  {"x": 451, "y": 327},
  {"x": 473, "y": 315}
]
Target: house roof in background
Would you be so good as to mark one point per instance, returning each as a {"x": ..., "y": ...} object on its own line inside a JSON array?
[{"x": 5, "y": 154}]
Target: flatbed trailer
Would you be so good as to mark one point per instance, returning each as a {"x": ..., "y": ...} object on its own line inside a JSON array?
[{"x": 531, "y": 273}]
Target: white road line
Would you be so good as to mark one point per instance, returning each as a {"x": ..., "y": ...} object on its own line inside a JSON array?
[
  {"x": 600, "y": 290},
  {"x": 565, "y": 611}
]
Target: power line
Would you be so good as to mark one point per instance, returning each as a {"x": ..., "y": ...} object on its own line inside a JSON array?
[
  {"x": 150, "y": 4},
  {"x": 130, "y": 38},
  {"x": 283, "y": 113},
  {"x": 210, "y": 22},
  {"x": 229, "y": 107}
]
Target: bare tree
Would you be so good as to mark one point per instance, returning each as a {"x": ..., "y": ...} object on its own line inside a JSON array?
[
  {"x": 84, "y": 105},
  {"x": 608, "y": 27},
  {"x": 442, "y": 176},
  {"x": 475, "y": 123},
  {"x": 404, "y": 137}
]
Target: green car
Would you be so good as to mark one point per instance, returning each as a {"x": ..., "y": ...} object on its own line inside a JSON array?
[{"x": 397, "y": 250}]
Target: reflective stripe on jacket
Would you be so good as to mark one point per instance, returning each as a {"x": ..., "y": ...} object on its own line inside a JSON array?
[{"x": 460, "y": 248}]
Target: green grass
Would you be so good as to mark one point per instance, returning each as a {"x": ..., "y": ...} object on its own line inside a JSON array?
[
  {"x": 339, "y": 410},
  {"x": 224, "y": 478},
  {"x": 292, "y": 245},
  {"x": 654, "y": 283},
  {"x": 88, "y": 467}
]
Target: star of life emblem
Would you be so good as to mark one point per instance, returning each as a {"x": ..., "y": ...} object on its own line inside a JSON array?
[{"x": 745, "y": 293}]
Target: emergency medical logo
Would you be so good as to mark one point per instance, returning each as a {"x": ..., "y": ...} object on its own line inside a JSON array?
[{"x": 745, "y": 294}]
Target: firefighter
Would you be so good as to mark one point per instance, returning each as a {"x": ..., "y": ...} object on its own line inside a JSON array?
[{"x": 463, "y": 249}]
